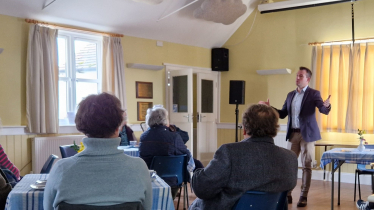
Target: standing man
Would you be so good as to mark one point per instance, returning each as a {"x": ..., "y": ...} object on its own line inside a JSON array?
[{"x": 302, "y": 127}]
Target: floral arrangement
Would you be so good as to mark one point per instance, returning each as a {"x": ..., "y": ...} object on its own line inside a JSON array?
[
  {"x": 361, "y": 135},
  {"x": 77, "y": 148}
]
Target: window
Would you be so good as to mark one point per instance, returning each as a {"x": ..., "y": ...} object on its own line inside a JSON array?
[
  {"x": 346, "y": 73},
  {"x": 80, "y": 72}
]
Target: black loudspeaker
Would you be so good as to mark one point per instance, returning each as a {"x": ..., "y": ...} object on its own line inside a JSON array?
[
  {"x": 237, "y": 92},
  {"x": 220, "y": 59}
]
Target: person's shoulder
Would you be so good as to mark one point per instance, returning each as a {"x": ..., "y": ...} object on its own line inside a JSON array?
[
  {"x": 312, "y": 90},
  {"x": 291, "y": 92},
  {"x": 65, "y": 163},
  {"x": 287, "y": 152}
]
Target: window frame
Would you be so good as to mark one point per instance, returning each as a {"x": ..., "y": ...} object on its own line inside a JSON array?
[{"x": 71, "y": 73}]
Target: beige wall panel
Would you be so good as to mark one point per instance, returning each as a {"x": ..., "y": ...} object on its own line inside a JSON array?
[
  {"x": 3, "y": 142},
  {"x": 10, "y": 148},
  {"x": 17, "y": 151}
]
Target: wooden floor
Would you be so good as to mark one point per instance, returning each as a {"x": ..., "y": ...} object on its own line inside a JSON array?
[{"x": 319, "y": 196}]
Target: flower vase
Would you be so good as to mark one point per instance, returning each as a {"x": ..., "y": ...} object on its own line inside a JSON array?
[{"x": 361, "y": 147}]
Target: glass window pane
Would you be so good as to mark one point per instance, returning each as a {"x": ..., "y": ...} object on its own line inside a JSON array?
[
  {"x": 206, "y": 96},
  {"x": 61, "y": 42},
  {"x": 85, "y": 59},
  {"x": 62, "y": 101},
  {"x": 180, "y": 99},
  {"x": 84, "y": 89}
]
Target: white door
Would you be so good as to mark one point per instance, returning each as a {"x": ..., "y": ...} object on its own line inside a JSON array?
[
  {"x": 206, "y": 116},
  {"x": 181, "y": 102}
]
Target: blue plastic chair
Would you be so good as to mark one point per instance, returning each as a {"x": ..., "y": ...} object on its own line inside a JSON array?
[
  {"x": 48, "y": 164},
  {"x": 361, "y": 170},
  {"x": 262, "y": 200},
  {"x": 67, "y": 151},
  {"x": 173, "y": 166}
]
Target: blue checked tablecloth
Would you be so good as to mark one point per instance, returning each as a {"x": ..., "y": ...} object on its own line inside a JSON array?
[
  {"x": 349, "y": 155},
  {"x": 23, "y": 197}
]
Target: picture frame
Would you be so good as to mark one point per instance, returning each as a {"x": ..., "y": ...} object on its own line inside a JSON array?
[
  {"x": 144, "y": 89},
  {"x": 142, "y": 109}
]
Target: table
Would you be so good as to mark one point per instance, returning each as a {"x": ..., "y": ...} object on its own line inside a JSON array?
[
  {"x": 338, "y": 156},
  {"x": 23, "y": 197},
  {"x": 333, "y": 143},
  {"x": 130, "y": 151}
]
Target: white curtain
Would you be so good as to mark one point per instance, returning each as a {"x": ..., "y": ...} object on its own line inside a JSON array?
[
  {"x": 41, "y": 80},
  {"x": 114, "y": 68},
  {"x": 347, "y": 74}
]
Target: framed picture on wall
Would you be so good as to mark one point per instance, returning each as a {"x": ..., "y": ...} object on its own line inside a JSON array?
[
  {"x": 142, "y": 109},
  {"x": 144, "y": 89}
]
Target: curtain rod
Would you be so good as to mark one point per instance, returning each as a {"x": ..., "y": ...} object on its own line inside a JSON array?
[
  {"x": 344, "y": 40},
  {"x": 72, "y": 28}
]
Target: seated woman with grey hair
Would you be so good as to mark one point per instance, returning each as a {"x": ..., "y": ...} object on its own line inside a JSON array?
[{"x": 159, "y": 140}]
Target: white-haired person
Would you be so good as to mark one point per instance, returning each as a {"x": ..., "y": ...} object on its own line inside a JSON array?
[{"x": 159, "y": 140}]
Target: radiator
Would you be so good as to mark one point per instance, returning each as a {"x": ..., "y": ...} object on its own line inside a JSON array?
[
  {"x": 43, "y": 147},
  {"x": 280, "y": 141}
]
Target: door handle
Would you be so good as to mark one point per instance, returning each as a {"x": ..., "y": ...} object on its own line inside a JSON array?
[
  {"x": 201, "y": 117},
  {"x": 188, "y": 117}
]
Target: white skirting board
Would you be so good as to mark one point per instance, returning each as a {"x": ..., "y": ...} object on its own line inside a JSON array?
[{"x": 345, "y": 177}]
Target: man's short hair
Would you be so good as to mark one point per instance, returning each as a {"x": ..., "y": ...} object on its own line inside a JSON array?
[
  {"x": 99, "y": 115},
  {"x": 260, "y": 120},
  {"x": 308, "y": 71},
  {"x": 157, "y": 115}
]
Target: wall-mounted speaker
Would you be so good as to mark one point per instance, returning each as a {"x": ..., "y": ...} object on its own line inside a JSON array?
[
  {"x": 220, "y": 59},
  {"x": 237, "y": 92}
]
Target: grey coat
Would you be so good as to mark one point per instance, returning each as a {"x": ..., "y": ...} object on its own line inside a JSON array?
[{"x": 252, "y": 164}]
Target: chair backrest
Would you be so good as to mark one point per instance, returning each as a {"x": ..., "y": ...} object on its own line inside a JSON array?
[
  {"x": 143, "y": 126},
  {"x": 48, "y": 164},
  {"x": 122, "y": 206},
  {"x": 362, "y": 166},
  {"x": 262, "y": 200},
  {"x": 67, "y": 151},
  {"x": 4, "y": 176},
  {"x": 171, "y": 166}
]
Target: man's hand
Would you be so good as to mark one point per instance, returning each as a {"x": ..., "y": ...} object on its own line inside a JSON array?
[
  {"x": 264, "y": 102},
  {"x": 326, "y": 103}
]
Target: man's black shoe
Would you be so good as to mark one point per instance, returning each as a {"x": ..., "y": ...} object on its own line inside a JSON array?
[{"x": 302, "y": 202}]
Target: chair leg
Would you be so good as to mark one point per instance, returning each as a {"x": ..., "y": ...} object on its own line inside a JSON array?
[
  {"x": 359, "y": 187},
  {"x": 354, "y": 196},
  {"x": 185, "y": 186},
  {"x": 372, "y": 188},
  {"x": 179, "y": 197},
  {"x": 184, "y": 197}
]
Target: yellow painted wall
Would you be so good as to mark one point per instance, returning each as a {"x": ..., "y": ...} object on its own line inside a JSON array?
[
  {"x": 280, "y": 40},
  {"x": 138, "y": 50},
  {"x": 13, "y": 38}
]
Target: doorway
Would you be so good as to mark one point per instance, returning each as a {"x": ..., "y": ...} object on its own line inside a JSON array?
[{"x": 192, "y": 102}]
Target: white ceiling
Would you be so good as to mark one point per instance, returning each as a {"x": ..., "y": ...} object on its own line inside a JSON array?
[{"x": 131, "y": 18}]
